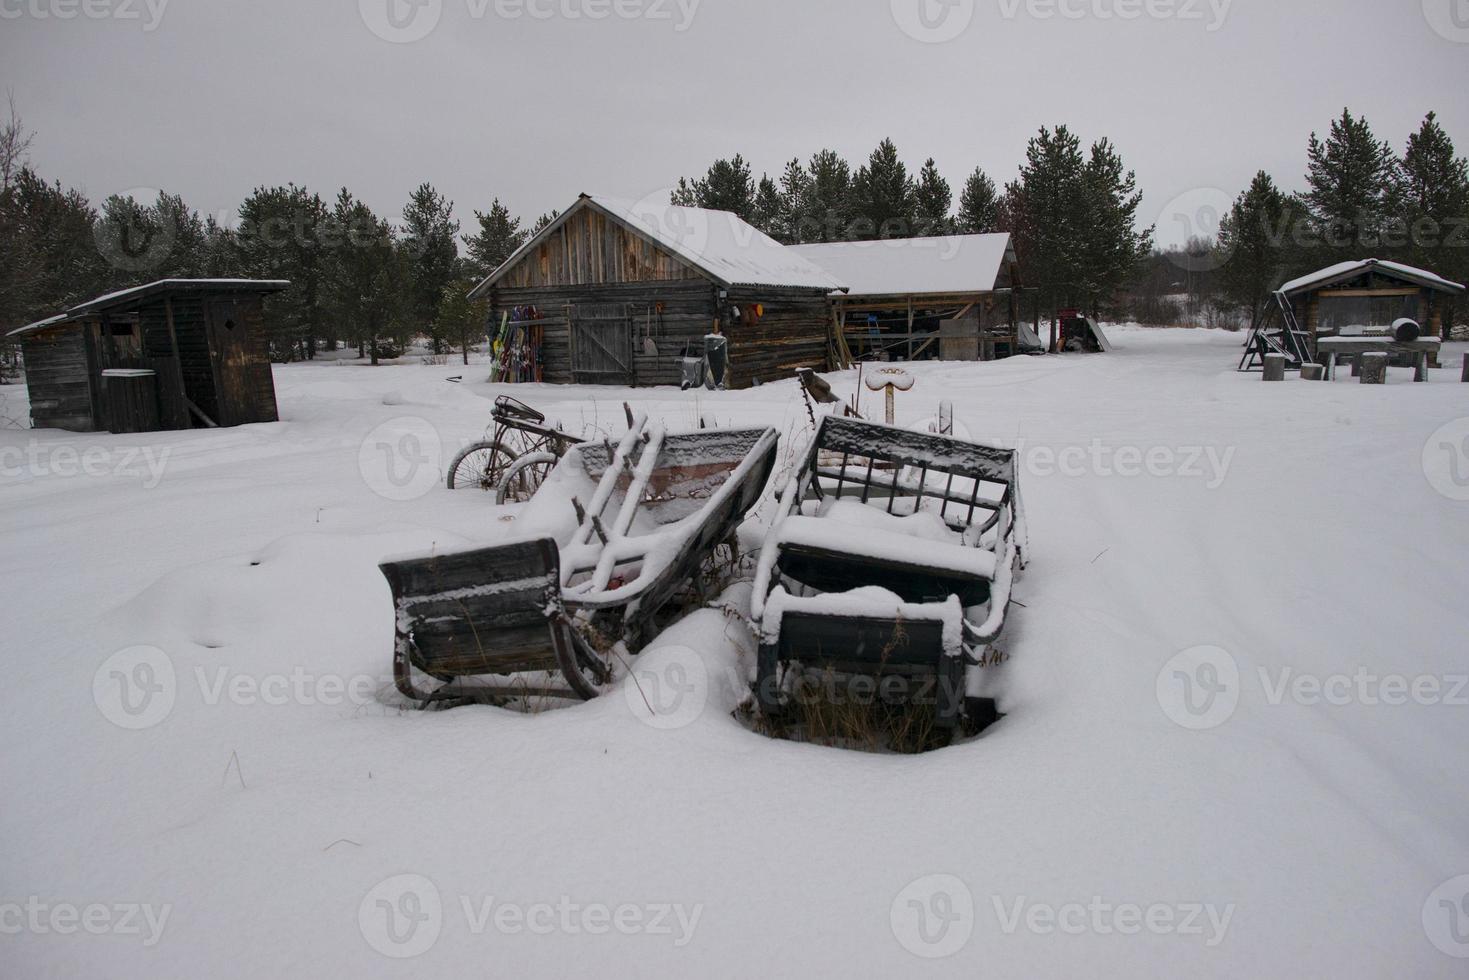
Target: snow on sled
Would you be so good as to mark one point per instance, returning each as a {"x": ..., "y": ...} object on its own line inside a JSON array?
[
  {"x": 893, "y": 556},
  {"x": 622, "y": 531}
]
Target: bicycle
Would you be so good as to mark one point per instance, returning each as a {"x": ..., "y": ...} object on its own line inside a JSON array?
[{"x": 516, "y": 460}]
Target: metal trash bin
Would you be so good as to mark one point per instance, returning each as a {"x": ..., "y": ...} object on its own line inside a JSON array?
[{"x": 130, "y": 396}]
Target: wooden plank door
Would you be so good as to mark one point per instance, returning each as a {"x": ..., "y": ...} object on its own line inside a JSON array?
[
  {"x": 601, "y": 345},
  {"x": 229, "y": 350}
]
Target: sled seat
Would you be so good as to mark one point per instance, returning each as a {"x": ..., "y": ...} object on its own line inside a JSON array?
[
  {"x": 474, "y": 614},
  {"x": 835, "y": 556}
]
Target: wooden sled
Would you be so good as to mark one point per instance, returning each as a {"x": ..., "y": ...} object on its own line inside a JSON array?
[
  {"x": 554, "y": 617},
  {"x": 893, "y": 555}
]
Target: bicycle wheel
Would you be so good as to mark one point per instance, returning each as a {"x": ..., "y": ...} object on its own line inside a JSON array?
[
  {"x": 480, "y": 467},
  {"x": 524, "y": 477}
]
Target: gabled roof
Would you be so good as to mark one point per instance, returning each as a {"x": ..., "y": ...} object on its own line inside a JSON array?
[
  {"x": 1343, "y": 271},
  {"x": 948, "y": 265},
  {"x": 718, "y": 244},
  {"x": 126, "y": 297}
]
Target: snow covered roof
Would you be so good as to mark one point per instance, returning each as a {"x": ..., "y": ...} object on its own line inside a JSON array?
[
  {"x": 719, "y": 244},
  {"x": 122, "y": 297},
  {"x": 132, "y": 293},
  {"x": 39, "y": 325},
  {"x": 947, "y": 265},
  {"x": 1350, "y": 270}
]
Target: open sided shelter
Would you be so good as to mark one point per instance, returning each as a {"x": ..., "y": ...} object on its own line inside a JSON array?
[
  {"x": 614, "y": 292},
  {"x": 1359, "y": 299},
  {"x": 172, "y": 354},
  {"x": 953, "y": 297}
]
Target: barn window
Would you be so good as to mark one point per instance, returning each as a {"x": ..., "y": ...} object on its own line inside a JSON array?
[
  {"x": 121, "y": 329},
  {"x": 229, "y": 324}
]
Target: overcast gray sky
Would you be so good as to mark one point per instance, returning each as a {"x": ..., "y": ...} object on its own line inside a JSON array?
[{"x": 537, "y": 100}]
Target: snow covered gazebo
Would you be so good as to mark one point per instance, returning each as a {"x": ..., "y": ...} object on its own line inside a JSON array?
[
  {"x": 1350, "y": 305},
  {"x": 953, "y": 296}
]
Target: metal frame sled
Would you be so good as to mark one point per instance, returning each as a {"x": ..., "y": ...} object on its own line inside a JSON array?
[
  {"x": 585, "y": 596},
  {"x": 893, "y": 555}
]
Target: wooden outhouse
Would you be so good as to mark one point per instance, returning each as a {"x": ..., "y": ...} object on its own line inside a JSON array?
[{"x": 173, "y": 354}]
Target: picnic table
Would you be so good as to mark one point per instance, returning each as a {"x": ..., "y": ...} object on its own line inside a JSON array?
[{"x": 1330, "y": 348}]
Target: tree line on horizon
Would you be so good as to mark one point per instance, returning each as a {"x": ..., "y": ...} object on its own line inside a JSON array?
[
  {"x": 1361, "y": 200},
  {"x": 374, "y": 283}
]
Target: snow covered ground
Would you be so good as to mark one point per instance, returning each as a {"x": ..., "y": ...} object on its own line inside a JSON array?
[{"x": 1236, "y": 706}]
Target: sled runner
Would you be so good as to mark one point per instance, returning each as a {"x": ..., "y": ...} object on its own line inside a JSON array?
[
  {"x": 628, "y": 527},
  {"x": 893, "y": 555}
]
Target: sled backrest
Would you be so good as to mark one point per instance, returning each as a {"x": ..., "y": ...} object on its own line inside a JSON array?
[{"x": 477, "y": 612}]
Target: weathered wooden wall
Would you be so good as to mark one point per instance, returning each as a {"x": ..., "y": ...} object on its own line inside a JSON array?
[
  {"x": 687, "y": 313},
  {"x": 597, "y": 272},
  {"x": 59, "y": 380},
  {"x": 594, "y": 249},
  {"x": 791, "y": 334},
  {"x": 226, "y": 373}
]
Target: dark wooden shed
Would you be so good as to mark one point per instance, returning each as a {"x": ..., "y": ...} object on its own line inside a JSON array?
[
  {"x": 173, "y": 354},
  {"x": 614, "y": 292}
]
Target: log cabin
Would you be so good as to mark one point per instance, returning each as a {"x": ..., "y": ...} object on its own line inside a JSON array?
[{"x": 615, "y": 292}]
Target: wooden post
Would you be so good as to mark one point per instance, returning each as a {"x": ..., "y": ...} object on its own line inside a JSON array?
[
  {"x": 1357, "y": 366},
  {"x": 1313, "y": 372},
  {"x": 1331, "y": 366},
  {"x": 1274, "y": 367},
  {"x": 1466, "y": 369},
  {"x": 1420, "y": 366},
  {"x": 1374, "y": 368}
]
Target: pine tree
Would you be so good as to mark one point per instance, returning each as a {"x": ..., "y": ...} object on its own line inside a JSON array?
[
  {"x": 364, "y": 275},
  {"x": 826, "y": 208},
  {"x": 1435, "y": 188},
  {"x": 978, "y": 205},
  {"x": 458, "y": 317},
  {"x": 1353, "y": 178},
  {"x": 728, "y": 186},
  {"x": 767, "y": 211},
  {"x": 498, "y": 237},
  {"x": 49, "y": 254},
  {"x": 544, "y": 222},
  {"x": 685, "y": 195},
  {"x": 933, "y": 200},
  {"x": 1045, "y": 211},
  {"x": 1252, "y": 241},
  {"x": 284, "y": 233},
  {"x": 430, "y": 247},
  {"x": 883, "y": 197},
  {"x": 795, "y": 186},
  {"x": 1110, "y": 247}
]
